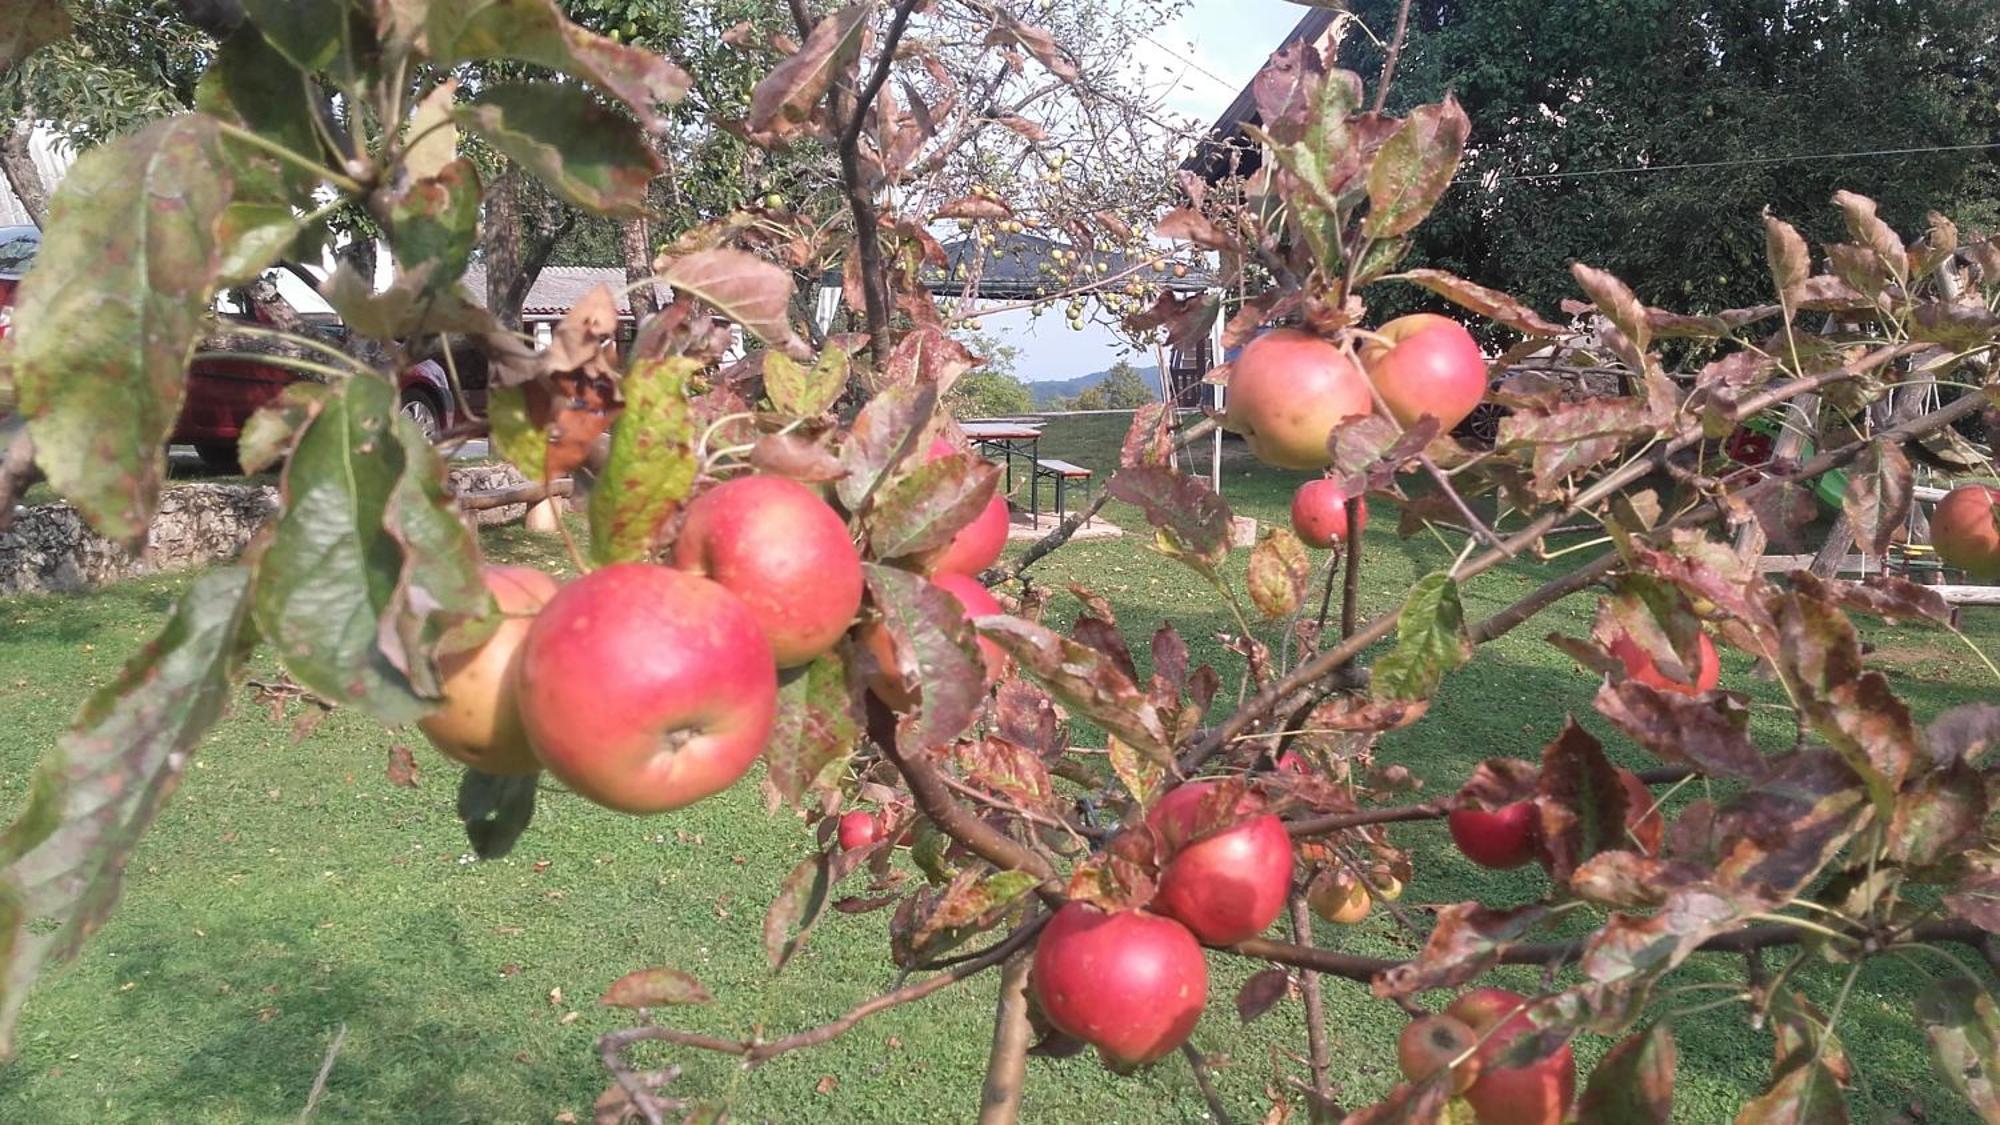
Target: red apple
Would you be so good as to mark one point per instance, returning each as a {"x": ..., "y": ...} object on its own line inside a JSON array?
[
  {"x": 976, "y": 601},
  {"x": 1645, "y": 828},
  {"x": 1227, "y": 886},
  {"x": 1965, "y": 531},
  {"x": 1433, "y": 1043},
  {"x": 784, "y": 553},
  {"x": 1429, "y": 365},
  {"x": 478, "y": 722},
  {"x": 1639, "y": 666},
  {"x": 859, "y": 829},
  {"x": 1537, "y": 1094},
  {"x": 1287, "y": 391},
  {"x": 645, "y": 688},
  {"x": 1505, "y": 837},
  {"x": 1337, "y": 896},
  {"x": 1319, "y": 513},
  {"x": 1131, "y": 984}
]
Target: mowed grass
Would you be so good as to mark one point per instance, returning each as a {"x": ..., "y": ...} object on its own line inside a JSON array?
[{"x": 289, "y": 890}]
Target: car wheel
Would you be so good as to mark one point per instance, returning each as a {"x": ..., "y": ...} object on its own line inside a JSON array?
[{"x": 418, "y": 408}]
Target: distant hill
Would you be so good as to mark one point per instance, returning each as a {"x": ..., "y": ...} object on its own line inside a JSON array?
[{"x": 1047, "y": 392}]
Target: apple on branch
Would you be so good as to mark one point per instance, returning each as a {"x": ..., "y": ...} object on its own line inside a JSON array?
[
  {"x": 1966, "y": 532},
  {"x": 1425, "y": 364},
  {"x": 1225, "y": 885},
  {"x": 1131, "y": 983},
  {"x": 1319, "y": 513},
  {"x": 479, "y": 722},
  {"x": 1287, "y": 390}
]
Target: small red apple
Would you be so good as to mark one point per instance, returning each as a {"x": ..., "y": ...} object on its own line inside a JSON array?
[
  {"x": 1287, "y": 390},
  {"x": 1228, "y": 886},
  {"x": 976, "y": 600},
  {"x": 1433, "y": 1043},
  {"x": 1644, "y": 826},
  {"x": 1537, "y": 1094},
  {"x": 858, "y": 829},
  {"x": 645, "y": 688},
  {"x": 479, "y": 723},
  {"x": 1319, "y": 513},
  {"x": 1505, "y": 837},
  {"x": 1429, "y": 365},
  {"x": 1640, "y": 666},
  {"x": 784, "y": 553},
  {"x": 1965, "y": 529},
  {"x": 1131, "y": 984},
  {"x": 1337, "y": 896}
]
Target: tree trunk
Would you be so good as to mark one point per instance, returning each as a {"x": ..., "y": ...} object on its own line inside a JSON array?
[
  {"x": 363, "y": 253},
  {"x": 501, "y": 241},
  {"x": 1007, "y": 1061},
  {"x": 638, "y": 246},
  {"x": 18, "y": 164}
]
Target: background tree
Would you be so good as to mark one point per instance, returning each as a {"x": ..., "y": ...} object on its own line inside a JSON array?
[
  {"x": 1606, "y": 86},
  {"x": 990, "y": 390}
]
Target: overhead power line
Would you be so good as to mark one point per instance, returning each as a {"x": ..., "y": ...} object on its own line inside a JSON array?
[{"x": 1802, "y": 158}]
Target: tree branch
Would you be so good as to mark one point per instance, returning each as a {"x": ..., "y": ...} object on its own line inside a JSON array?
[
  {"x": 1007, "y": 1061},
  {"x": 1319, "y": 1056},
  {"x": 860, "y": 200},
  {"x": 934, "y": 799},
  {"x": 1395, "y": 52}
]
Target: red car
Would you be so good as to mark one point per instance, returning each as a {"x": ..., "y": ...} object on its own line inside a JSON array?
[{"x": 222, "y": 394}]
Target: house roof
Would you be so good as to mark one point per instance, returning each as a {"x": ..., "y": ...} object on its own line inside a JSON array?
[
  {"x": 1224, "y": 149},
  {"x": 557, "y": 289}
]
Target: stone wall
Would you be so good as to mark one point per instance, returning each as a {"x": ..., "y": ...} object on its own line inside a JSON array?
[{"x": 49, "y": 549}]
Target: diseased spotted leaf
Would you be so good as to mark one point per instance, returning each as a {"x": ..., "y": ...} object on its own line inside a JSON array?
[
  {"x": 1782, "y": 830},
  {"x": 1496, "y": 783},
  {"x": 268, "y": 434},
  {"x": 1634, "y": 1082},
  {"x": 1866, "y": 228},
  {"x": 1581, "y": 800},
  {"x": 534, "y": 31},
  {"x": 1279, "y": 573},
  {"x": 1710, "y": 735},
  {"x": 1939, "y": 816},
  {"x": 96, "y": 791},
  {"x": 495, "y": 810},
  {"x": 1086, "y": 680},
  {"x": 1804, "y": 1095},
  {"x": 1889, "y": 597},
  {"x": 581, "y": 150},
  {"x": 652, "y": 465},
  {"x": 815, "y": 731},
  {"x": 1149, "y": 439},
  {"x": 1963, "y": 1026},
  {"x": 924, "y": 504},
  {"x": 1617, "y": 302},
  {"x": 1012, "y": 771},
  {"x": 935, "y": 644},
  {"x": 1430, "y": 641},
  {"x": 1262, "y": 992},
  {"x": 802, "y": 898},
  {"x": 973, "y": 903},
  {"x": 133, "y": 250},
  {"x": 785, "y": 99},
  {"x": 654, "y": 988},
  {"x": 436, "y": 220},
  {"x": 1877, "y": 497},
  {"x": 1466, "y": 941},
  {"x": 1629, "y": 879},
  {"x": 1964, "y": 733},
  {"x": 1025, "y": 715},
  {"x": 748, "y": 290},
  {"x": 1142, "y": 776},
  {"x": 514, "y": 434},
  {"x": 805, "y": 391},
  {"x": 1489, "y": 303},
  {"x": 885, "y": 432},
  {"x": 1112, "y": 881},
  {"x": 1413, "y": 168},
  {"x": 974, "y": 207},
  {"x": 1192, "y": 520}
]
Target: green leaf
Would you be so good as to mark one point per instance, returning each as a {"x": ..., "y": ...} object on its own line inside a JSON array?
[
  {"x": 584, "y": 152},
  {"x": 1279, "y": 572},
  {"x": 655, "y": 988},
  {"x": 253, "y": 235},
  {"x": 534, "y": 31},
  {"x": 805, "y": 391},
  {"x": 1634, "y": 1083},
  {"x": 495, "y": 810},
  {"x": 1430, "y": 641},
  {"x": 315, "y": 35},
  {"x": 1964, "y": 1030},
  {"x": 133, "y": 252},
  {"x": 34, "y": 25},
  {"x": 436, "y": 220},
  {"x": 815, "y": 732},
  {"x": 922, "y": 507},
  {"x": 1192, "y": 521},
  {"x": 367, "y": 563},
  {"x": 267, "y": 436},
  {"x": 250, "y": 84},
  {"x": 652, "y": 465},
  {"x": 1413, "y": 168},
  {"x": 515, "y": 435},
  {"x": 94, "y": 793},
  {"x": 802, "y": 898}
]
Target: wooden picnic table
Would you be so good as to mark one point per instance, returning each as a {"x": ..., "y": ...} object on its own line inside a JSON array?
[{"x": 1009, "y": 439}]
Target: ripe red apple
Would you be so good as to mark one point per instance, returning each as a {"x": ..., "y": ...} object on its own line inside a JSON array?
[
  {"x": 1288, "y": 389},
  {"x": 1337, "y": 896},
  {"x": 784, "y": 553},
  {"x": 1505, "y": 837},
  {"x": 1965, "y": 531},
  {"x": 1131, "y": 984},
  {"x": 1319, "y": 513},
  {"x": 1433, "y": 1043},
  {"x": 1538, "y": 1094},
  {"x": 1228, "y": 886},
  {"x": 1645, "y": 828},
  {"x": 858, "y": 829},
  {"x": 479, "y": 723},
  {"x": 1429, "y": 365},
  {"x": 1639, "y": 666},
  {"x": 976, "y": 601},
  {"x": 979, "y": 543},
  {"x": 646, "y": 688}
]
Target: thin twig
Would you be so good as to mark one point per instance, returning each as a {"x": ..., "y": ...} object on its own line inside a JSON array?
[
  {"x": 1395, "y": 52},
  {"x": 325, "y": 1070},
  {"x": 1216, "y": 1108},
  {"x": 1319, "y": 1055}
]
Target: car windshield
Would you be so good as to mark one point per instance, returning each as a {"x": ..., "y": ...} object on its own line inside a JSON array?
[{"x": 17, "y": 249}]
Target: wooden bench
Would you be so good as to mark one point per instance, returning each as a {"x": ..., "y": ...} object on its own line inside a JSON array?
[{"x": 1061, "y": 472}]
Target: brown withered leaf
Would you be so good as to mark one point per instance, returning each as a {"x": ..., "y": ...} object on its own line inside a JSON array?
[
  {"x": 1888, "y": 597},
  {"x": 1627, "y": 879},
  {"x": 786, "y": 98},
  {"x": 655, "y": 988},
  {"x": 1711, "y": 735},
  {"x": 1037, "y": 41},
  {"x": 402, "y": 767},
  {"x": 1361, "y": 713},
  {"x": 1963, "y": 734},
  {"x": 1189, "y": 225},
  {"x": 1878, "y": 496},
  {"x": 1085, "y": 680},
  {"x": 1467, "y": 941},
  {"x": 1279, "y": 573},
  {"x": 1496, "y": 783},
  {"x": 974, "y": 207},
  {"x": 1492, "y": 304},
  {"x": 796, "y": 457},
  {"x": 1775, "y": 836},
  {"x": 1262, "y": 992},
  {"x": 1580, "y": 799},
  {"x": 1939, "y": 816}
]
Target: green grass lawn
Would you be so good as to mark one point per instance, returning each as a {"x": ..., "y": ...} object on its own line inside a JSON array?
[{"x": 289, "y": 889}]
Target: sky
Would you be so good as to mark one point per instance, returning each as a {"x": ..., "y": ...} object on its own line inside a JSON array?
[{"x": 1198, "y": 62}]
